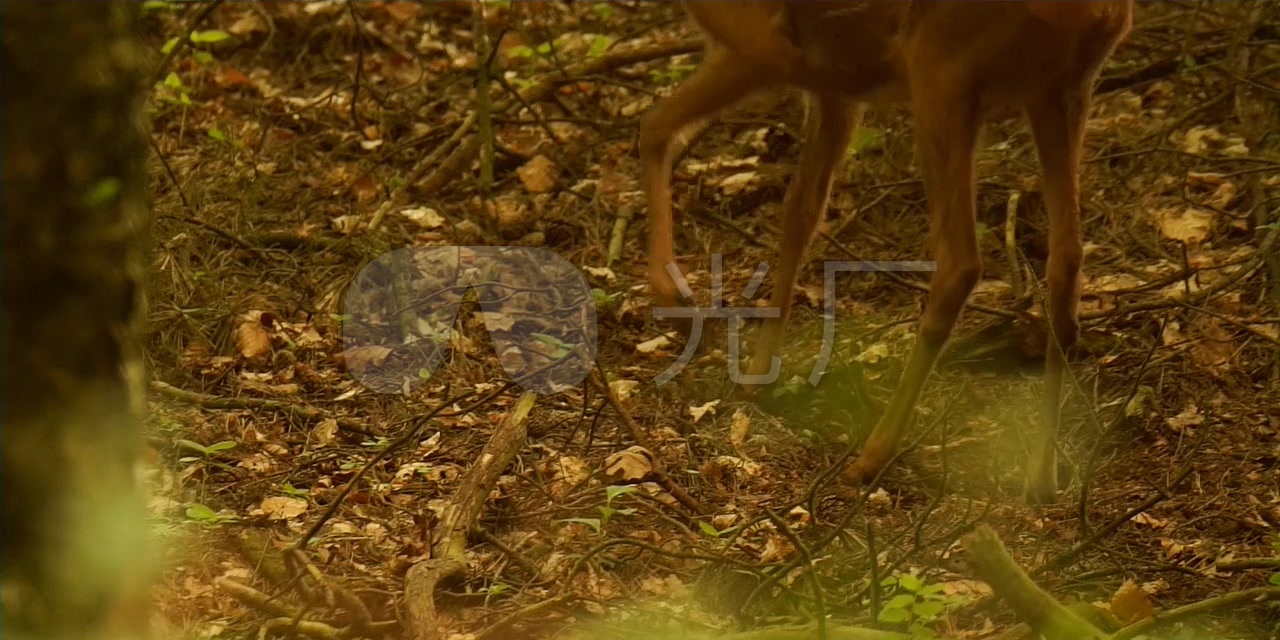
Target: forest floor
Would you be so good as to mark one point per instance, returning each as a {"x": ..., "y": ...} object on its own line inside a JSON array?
[{"x": 283, "y": 129}]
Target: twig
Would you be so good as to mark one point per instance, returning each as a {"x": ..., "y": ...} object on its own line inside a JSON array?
[
  {"x": 506, "y": 623},
  {"x": 469, "y": 145},
  {"x": 1062, "y": 560},
  {"x": 663, "y": 479},
  {"x": 404, "y": 438},
  {"x": 1011, "y": 242},
  {"x": 214, "y": 402},
  {"x": 1239, "y": 598},
  {"x": 802, "y": 551}
]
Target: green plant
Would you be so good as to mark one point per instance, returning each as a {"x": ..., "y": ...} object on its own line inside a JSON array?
[
  {"x": 916, "y": 604},
  {"x": 202, "y": 514},
  {"x": 671, "y": 75},
  {"x": 607, "y": 510},
  {"x": 207, "y": 453},
  {"x": 172, "y": 90}
]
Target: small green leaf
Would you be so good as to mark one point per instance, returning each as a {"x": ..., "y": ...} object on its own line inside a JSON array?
[
  {"x": 220, "y": 446},
  {"x": 209, "y": 37},
  {"x": 932, "y": 589},
  {"x": 711, "y": 531},
  {"x": 1137, "y": 404},
  {"x": 901, "y": 601},
  {"x": 917, "y": 630},
  {"x": 602, "y": 9},
  {"x": 889, "y": 582},
  {"x": 155, "y": 5},
  {"x": 544, "y": 49},
  {"x": 520, "y": 51},
  {"x": 894, "y": 615},
  {"x": 910, "y": 583},
  {"x": 197, "y": 511},
  {"x": 168, "y": 46},
  {"x": 613, "y": 491},
  {"x": 203, "y": 57},
  {"x": 1274, "y": 579},
  {"x": 217, "y": 134},
  {"x": 191, "y": 444},
  {"x": 599, "y": 45},
  {"x": 103, "y": 192},
  {"x": 865, "y": 139},
  {"x": 928, "y": 609},
  {"x": 174, "y": 82},
  {"x": 594, "y": 523}
]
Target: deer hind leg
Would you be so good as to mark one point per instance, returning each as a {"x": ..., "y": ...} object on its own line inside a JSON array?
[
  {"x": 719, "y": 81},
  {"x": 806, "y": 199},
  {"x": 1057, "y": 123},
  {"x": 947, "y": 123}
]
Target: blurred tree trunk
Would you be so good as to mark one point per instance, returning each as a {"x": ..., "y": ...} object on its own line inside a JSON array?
[{"x": 72, "y": 270}]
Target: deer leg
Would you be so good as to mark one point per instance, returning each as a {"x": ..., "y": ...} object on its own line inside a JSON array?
[
  {"x": 824, "y": 150},
  {"x": 1057, "y": 123},
  {"x": 719, "y": 81},
  {"x": 946, "y": 117}
]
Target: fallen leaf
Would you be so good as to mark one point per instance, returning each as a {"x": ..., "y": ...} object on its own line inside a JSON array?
[
  {"x": 361, "y": 359},
  {"x": 623, "y": 389},
  {"x": 247, "y": 24},
  {"x": 252, "y": 339},
  {"x": 739, "y": 428},
  {"x": 602, "y": 272},
  {"x": 228, "y": 77},
  {"x": 737, "y": 182},
  {"x": 538, "y": 175},
  {"x": 365, "y": 189},
  {"x": 1189, "y": 225},
  {"x": 633, "y": 464},
  {"x": 283, "y": 507},
  {"x": 1150, "y": 521},
  {"x": 567, "y": 472},
  {"x": 1131, "y": 604},
  {"x": 325, "y": 432},
  {"x": 701, "y": 410},
  {"x": 650, "y": 346},
  {"x": 497, "y": 321}
]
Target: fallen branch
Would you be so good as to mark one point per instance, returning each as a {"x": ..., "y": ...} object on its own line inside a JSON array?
[
  {"x": 208, "y": 401},
  {"x": 448, "y": 548},
  {"x": 992, "y": 564}
]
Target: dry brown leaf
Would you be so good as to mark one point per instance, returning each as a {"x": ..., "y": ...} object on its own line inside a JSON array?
[
  {"x": 697, "y": 411},
  {"x": 651, "y": 346},
  {"x": 538, "y": 175},
  {"x": 252, "y": 339},
  {"x": 623, "y": 389},
  {"x": 567, "y": 472},
  {"x": 283, "y": 507},
  {"x": 1131, "y": 604},
  {"x": 776, "y": 549},
  {"x": 325, "y": 432},
  {"x": 365, "y": 189},
  {"x": 633, "y": 464},
  {"x": 739, "y": 428},
  {"x": 361, "y": 359},
  {"x": 1189, "y": 225}
]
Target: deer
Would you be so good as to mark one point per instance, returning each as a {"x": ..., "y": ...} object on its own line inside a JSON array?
[{"x": 955, "y": 65}]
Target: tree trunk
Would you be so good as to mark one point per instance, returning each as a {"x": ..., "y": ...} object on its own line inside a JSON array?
[{"x": 72, "y": 269}]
